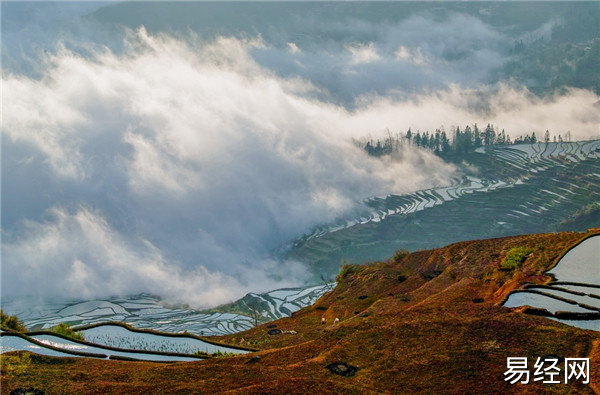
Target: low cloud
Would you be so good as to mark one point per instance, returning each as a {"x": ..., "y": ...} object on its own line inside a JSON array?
[
  {"x": 190, "y": 176},
  {"x": 176, "y": 164},
  {"x": 78, "y": 255}
]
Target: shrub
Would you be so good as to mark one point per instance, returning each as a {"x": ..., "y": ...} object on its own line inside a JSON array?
[
  {"x": 66, "y": 330},
  {"x": 399, "y": 255},
  {"x": 15, "y": 365},
  {"x": 347, "y": 270},
  {"x": 11, "y": 322},
  {"x": 515, "y": 258},
  {"x": 223, "y": 354}
]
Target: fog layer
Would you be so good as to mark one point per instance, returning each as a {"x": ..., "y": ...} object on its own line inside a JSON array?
[{"x": 174, "y": 163}]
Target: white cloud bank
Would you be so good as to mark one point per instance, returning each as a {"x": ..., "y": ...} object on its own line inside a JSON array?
[
  {"x": 175, "y": 167},
  {"x": 77, "y": 254}
]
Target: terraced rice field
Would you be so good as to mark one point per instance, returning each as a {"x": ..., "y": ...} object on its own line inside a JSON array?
[
  {"x": 141, "y": 311},
  {"x": 276, "y": 304},
  {"x": 148, "y": 312},
  {"x": 115, "y": 341},
  {"x": 576, "y": 290},
  {"x": 48, "y": 344},
  {"x": 529, "y": 188}
]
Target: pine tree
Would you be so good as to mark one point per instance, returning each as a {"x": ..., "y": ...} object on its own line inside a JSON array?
[
  {"x": 456, "y": 141},
  {"x": 436, "y": 142},
  {"x": 378, "y": 149},
  {"x": 425, "y": 140},
  {"x": 445, "y": 143},
  {"x": 418, "y": 139},
  {"x": 467, "y": 142},
  {"x": 489, "y": 136},
  {"x": 502, "y": 138},
  {"x": 477, "y": 137}
]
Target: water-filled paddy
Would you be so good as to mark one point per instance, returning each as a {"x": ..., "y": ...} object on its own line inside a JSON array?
[
  {"x": 118, "y": 336},
  {"x": 583, "y": 324},
  {"x": 584, "y": 299},
  {"x": 581, "y": 288},
  {"x": 70, "y": 345},
  {"x": 12, "y": 343},
  {"x": 581, "y": 265},
  {"x": 545, "y": 302},
  {"x": 15, "y": 343}
]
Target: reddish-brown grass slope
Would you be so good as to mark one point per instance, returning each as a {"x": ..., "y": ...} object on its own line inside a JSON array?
[{"x": 410, "y": 326}]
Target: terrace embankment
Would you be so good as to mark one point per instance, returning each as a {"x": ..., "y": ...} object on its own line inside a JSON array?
[{"x": 430, "y": 321}]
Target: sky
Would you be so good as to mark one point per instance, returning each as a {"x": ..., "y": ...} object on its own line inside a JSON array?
[{"x": 172, "y": 150}]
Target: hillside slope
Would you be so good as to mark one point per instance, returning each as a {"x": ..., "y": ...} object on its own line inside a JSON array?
[
  {"x": 520, "y": 189},
  {"x": 426, "y": 322}
]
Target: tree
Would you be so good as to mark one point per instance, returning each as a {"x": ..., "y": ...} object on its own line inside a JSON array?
[
  {"x": 533, "y": 138},
  {"x": 501, "y": 138},
  {"x": 489, "y": 136},
  {"x": 418, "y": 139},
  {"x": 547, "y": 136},
  {"x": 436, "y": 142},
  {"x": 378, "y": 149},
  {"x": 445, "y": 143},
  {"x": 477, "y": 142},
  {"x": 389, "y": 142},
  {"x": 255, "y": 315},
  {"x": 425, "y": 140},
  {"x": 467, "y": 139}
]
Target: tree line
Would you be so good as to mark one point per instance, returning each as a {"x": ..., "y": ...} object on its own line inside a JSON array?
[{"x": 460, "y": 141}]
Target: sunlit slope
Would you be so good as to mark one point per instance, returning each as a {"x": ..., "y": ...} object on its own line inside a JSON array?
[
  {"x": 505, "y": 191},
  {"x": 428, "y": 322}
]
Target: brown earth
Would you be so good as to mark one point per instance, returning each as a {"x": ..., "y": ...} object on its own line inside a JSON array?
[{"x": 429, "y": 322}]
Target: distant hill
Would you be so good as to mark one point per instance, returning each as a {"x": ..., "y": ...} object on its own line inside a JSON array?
[
  {"x": 509, "y": 190},
  {"x": 272, "y": 305},
  {"x": 427, "y": 322}
]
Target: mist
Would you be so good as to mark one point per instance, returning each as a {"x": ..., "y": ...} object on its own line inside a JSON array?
[{"x": 174, "y": 162}]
